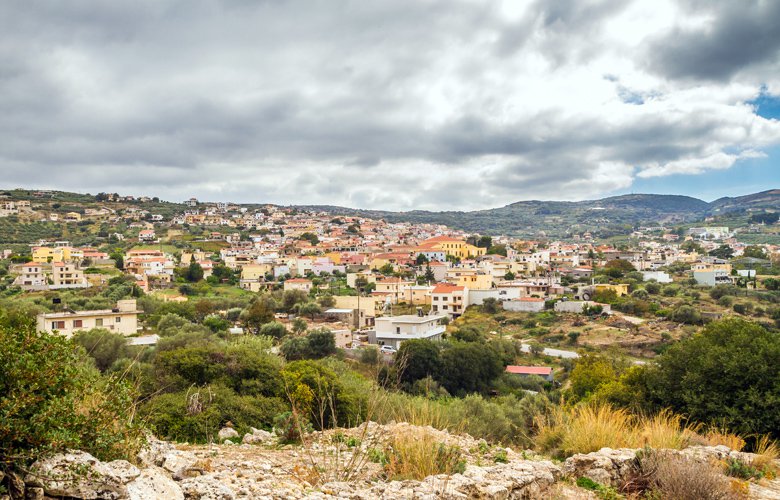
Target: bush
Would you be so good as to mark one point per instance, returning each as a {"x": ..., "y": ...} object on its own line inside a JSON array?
[
  {"x": 196, "y": 415},
  {"x": 103, "y": 346},
  {"x": 317, "y": 344},
  {"x": 273, "y": 329},
  {"x": 369, "y": 355},
  {"x": 52, "y": 400},
  {"x": 671, "y": 290},
  {"x": 686, "y": 314},
  {"x": 726, "y": 375},
  {"x": 685, "y": 479}
]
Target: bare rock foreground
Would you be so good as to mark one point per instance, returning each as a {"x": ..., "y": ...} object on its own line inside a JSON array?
[{"x": 335, "y": 464}]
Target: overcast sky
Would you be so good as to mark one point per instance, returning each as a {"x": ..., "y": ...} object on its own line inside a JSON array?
[{"x": 398, "y": 104}]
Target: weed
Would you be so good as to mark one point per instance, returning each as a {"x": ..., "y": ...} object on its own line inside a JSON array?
[
  {"x": 602, "y": 491},
  {"x": 500, "y": 457},
  {"x": 742, "y": 470}
]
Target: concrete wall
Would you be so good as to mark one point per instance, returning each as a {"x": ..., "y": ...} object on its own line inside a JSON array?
[
  {"x": 576, "y": 306},
  {"x": 524, "y": 305}
]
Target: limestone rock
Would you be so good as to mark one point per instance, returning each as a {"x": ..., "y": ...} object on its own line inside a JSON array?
[
  {"x": 206, "y": 488},
  {"x": 154, "y": 451},
  {"x": 80, "y": 475},
  {"x": 180, "y": 464},
  {"x": 258, "y": 436},
  {"x": 227, "y": 433},
  {"x": 154, "y": 483},
  {"x": 606, "y": 466}
]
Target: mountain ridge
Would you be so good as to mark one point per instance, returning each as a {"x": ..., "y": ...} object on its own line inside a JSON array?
[{"x": 562, "y": 218}]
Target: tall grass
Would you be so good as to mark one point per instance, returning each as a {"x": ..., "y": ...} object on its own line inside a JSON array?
[
  {"x": 588, "y": 428},
  {"x": 416, "y": 454},
  {"x": 716, "y": 436},
  {"x": 767, "y": 452},
  {"x": 665, "y": 430}
]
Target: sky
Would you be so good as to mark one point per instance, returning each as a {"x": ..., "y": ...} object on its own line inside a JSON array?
[{"x": 396, "y": 104}]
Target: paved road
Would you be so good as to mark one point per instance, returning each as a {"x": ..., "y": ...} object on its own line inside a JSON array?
[{"x": 556, "y": 353}]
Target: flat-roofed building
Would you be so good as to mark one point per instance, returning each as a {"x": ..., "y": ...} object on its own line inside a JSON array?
[
  {"x": 392, "y": 330},
  {"x": 121, "y": 319}
]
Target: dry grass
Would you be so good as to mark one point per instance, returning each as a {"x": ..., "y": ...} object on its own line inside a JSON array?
[
  {"x": 415, "y": 410},
  {"x": 685, "y": 479},
  {"x": 767, "y": 452},
  {"x": 715, "y": 437},
  {"x": 588, "y": 428},
  {"x": 665, "y": 430},
  {"x": 416, "y": 454}
]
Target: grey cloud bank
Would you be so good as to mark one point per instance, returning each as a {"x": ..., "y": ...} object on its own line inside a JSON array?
[{"x": 395, "y": 105}]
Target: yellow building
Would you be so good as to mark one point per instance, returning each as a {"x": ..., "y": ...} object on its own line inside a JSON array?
[
  {"x": 453, "y": 247},
  {"x": 470, "y": 278},
  {"x": 620, "y": 290},
  {"x": 52, "y": 254},
  {"x": 368, "y": 307},
  {"x": 255, "y": 271}
]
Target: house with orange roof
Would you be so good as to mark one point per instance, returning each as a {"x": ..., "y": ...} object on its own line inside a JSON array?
[{"x": 449, "y": 299}]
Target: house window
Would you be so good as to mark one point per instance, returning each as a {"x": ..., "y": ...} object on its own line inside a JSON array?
[
  {"x": 398, "y": 329},
  {"x": 77, "y": 323},
  {"x": 118, "y": 319},
  {"x": 99, "y": 322},
  {"x": 444, "y": 307},
  {"x": 57, "y": 325}
]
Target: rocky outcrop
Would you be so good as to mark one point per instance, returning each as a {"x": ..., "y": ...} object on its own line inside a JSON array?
[
  {"x": 77, "y": 474},
  {"x": 258, "y": 436},
  {"x": 606, "y": 466},
  {"x": 334, "y": 464},
  {"x": 227, "y": 433},
  {"x": 154, "y": 483},
  {"x": 80, "y": 475},
  {"x": 614, "y": 467}
]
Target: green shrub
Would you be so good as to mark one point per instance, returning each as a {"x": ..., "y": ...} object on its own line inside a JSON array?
[
  {"x": 51, "y": 399},
  {"x": 742, "y": 470},
  {"x": 196, "y": 415}
]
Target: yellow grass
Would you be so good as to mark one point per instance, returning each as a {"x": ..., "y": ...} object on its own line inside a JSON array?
[
  {"x": 715, "y": 437},
  {"x": 590, "y": 427},
  {"x": 767, "y": 452},
  {"x": 416, "y": 454},
  {"x": 665, "y": 430}
]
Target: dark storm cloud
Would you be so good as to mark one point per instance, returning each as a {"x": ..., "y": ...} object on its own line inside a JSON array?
[{"x": 740, "y": 35}]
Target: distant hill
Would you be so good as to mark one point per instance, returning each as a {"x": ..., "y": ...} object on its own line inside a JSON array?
[
  {"x": 604, "y": 217},
  {"x": 763, "y": 200}
]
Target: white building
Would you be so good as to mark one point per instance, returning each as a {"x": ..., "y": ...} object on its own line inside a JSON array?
[
  {"x": 121, "y": 319},
  {"x": 392, "y": 330}
]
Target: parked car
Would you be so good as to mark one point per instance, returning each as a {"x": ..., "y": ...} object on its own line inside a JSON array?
[{"x": 388, "y": 349}]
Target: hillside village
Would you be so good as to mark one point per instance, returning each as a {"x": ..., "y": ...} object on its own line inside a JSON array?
[{"x": 270, "y": 328}]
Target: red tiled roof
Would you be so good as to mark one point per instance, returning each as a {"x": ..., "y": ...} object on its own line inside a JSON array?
[
  {"x": 447, "y": 288},
  {"x": 529, "y": 370}
]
